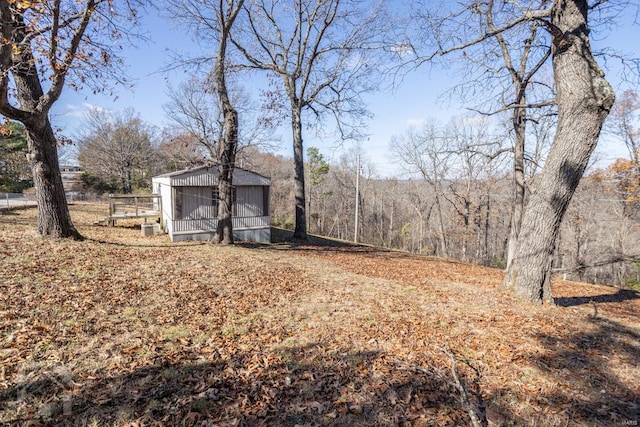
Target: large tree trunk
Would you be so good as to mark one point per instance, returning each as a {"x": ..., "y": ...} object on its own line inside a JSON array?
[
  {"x": 300, "y": 231},
  {"x": 226, "y": 164},
  {"x": 126, "y": 181},
  {"x": 584, "y": 101},
  {"x": 53, "y": 212}
]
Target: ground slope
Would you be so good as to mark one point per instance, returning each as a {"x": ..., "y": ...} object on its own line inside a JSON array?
[{"x": 124, "y": 330}]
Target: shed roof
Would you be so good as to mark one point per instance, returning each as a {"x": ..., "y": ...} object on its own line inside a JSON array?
[{"x": 207, "y": 176}]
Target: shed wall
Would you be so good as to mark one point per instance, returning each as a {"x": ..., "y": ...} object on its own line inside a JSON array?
[
  {"x": 189, "y": 210},
  {"x": 161, "y": 186},
  {"x": 196, "y": 203},
  {"x": 261, "y": 235},
  {"x": 250, "y": 201},
  {"x": 256, "y": 229}
]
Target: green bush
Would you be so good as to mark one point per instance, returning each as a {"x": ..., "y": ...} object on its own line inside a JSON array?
[
  {"x": 98, "y": 185},
  {"x": 15, "y": 186},
  {"x": 498, "y": 262},
  {"x": 633, "y": 282}
]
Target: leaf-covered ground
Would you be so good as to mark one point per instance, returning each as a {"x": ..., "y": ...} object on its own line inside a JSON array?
[{"x": 124, "y": 330}]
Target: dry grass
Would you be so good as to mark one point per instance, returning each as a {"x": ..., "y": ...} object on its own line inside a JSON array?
[{"x": 124, "y": 330}]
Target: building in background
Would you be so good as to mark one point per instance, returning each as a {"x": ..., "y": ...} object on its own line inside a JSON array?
[{"x": 72, "y": 181}]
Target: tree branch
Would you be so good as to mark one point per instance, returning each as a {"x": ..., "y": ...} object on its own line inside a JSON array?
[
  {"x": 527, "y": 15},
  {"x": 476, "y": 411}
]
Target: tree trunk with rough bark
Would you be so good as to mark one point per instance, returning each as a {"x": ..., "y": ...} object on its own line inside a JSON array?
[
  {"x": 228, "y": 145},
  {"x": 300, "y": 231},
  {"x": 53, "y": 212},
  {"x": 226, "y": 165},
  {"x": 517, "y": 209},
  {"x": 444, "y": 252},
  {"x": 584, "y": 101}
]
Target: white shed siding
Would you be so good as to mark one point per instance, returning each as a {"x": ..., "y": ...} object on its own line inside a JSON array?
[
  {"x": 249, "y": 202},
  {"x": 209, "y": 225},
  {"x": 208, "y": 177},
  {"x": 252, "y": 222},
  {"x": 161, "y": 186},
  {"x": 196, "y": 203},
  {"x": 190, "y": 212},
  {"x": 195, "y": 225}
]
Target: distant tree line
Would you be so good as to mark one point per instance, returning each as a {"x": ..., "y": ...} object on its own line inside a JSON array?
[{"x": 464, "y": 214}]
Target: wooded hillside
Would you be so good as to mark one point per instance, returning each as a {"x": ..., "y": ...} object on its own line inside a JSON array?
[{"x": 463, "y": 213}]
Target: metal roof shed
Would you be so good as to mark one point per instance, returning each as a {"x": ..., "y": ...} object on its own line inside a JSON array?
[{"x": 190, "y": 204}]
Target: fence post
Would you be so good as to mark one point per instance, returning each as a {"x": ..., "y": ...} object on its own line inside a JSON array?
[{"x": 112, "y": 211}]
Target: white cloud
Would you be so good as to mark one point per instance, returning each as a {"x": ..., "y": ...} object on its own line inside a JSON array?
[
  {"x": 415, "y": 122},
  {"x": 79, "y": 111}
]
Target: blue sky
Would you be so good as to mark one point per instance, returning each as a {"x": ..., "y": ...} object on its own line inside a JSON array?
[{"x": 419, "y": 97}]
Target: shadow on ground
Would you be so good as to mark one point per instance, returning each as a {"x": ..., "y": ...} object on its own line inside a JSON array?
[
  {"x": 285, "y": 237},
  {"x": 620, "y": 296},
  {"x": 299, "y": 385},
  {"x": 600, "y": 395}
]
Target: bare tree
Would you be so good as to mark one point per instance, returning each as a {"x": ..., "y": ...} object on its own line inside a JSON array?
[
  {"x": 625, "y": 124},
  {"x": 425, "y": 151},
  {"x": 46, "y": 46},
  {"x": 502, "y": 62},
  {"x": 470, "y": 139},
  {"x": 314, "y": 48},
  {"x": 452, "y": 162},
  {"x": 193, "y": 108},
  {"x": 179, "y": 150},
  {"x": 226, "y": 15},
  {"x": 584, "y": 100},
  {"x": 540, "y": 133},
  {"x": 214, "y": 124},
  {"x": 116, "y": 146},
  {"x": 599, "y": 240}
]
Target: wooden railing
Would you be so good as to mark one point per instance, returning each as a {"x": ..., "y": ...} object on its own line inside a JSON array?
[{"x": 123, "y": 206}]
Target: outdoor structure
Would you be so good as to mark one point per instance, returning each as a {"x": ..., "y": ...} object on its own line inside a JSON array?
[
  {"x": 72, "y": 180},
  {"x": 189, "y": 206},
  {"x": 128, "y": 206}
]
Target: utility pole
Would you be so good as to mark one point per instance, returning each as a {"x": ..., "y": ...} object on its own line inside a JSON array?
[{"x": 355, "y": 233}]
